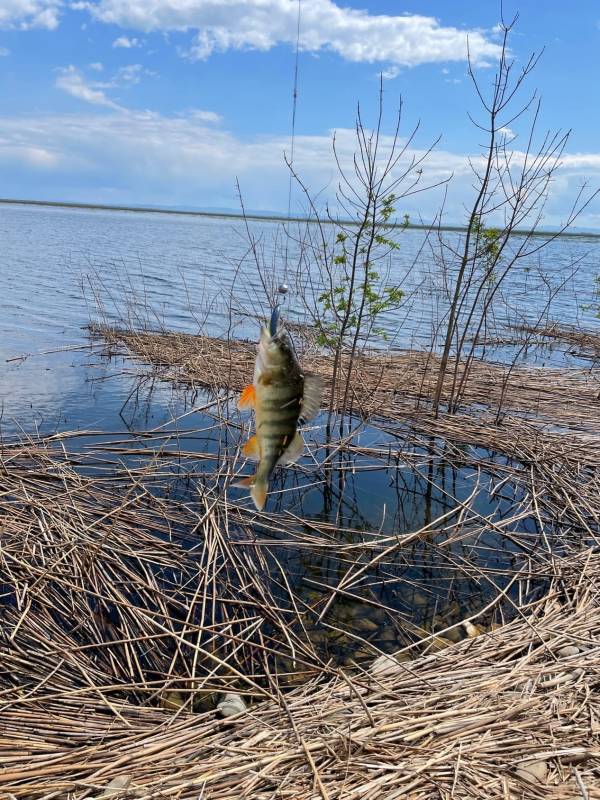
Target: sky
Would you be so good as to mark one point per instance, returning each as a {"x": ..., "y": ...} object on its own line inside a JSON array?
[{"x": 174, "y": 102}]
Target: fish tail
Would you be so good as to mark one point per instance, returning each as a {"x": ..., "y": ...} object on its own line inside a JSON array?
[
  {"x": 259, "y": 486},
  {"x": 259, "y": 492}
]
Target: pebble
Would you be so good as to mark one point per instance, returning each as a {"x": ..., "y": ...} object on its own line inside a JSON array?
[
  {"x": 453, "y": 634},
  {"x": 385, "y": 662},
  {"x": 115, "y": 787},
  {"x": 472, "y": 630},
  {"x": 231, "y": 705},
  {"x": 568, "y": 650},
  {"x": 362, "y": 653},
  {"x": 172, "y": 700},
  {"x": 533, "y": 771},
  {"x": 562, "y": 678}
]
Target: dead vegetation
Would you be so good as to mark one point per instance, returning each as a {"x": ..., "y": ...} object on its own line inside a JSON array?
[
  {"x": 128, "y": 615},
  {"x": 509, "y": 714},
  {"x": 113, "y": 634},
  {"x": 392, "y": 385},
  {"x": 585, "y": 343}
]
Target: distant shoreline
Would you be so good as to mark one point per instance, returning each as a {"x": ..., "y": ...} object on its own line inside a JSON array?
[{"x": 258, "y": 217}]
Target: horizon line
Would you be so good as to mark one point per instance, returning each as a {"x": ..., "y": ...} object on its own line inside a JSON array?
[{"x": 266, "y": 217}]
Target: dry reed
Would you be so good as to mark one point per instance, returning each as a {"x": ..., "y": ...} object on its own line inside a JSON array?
[{"x": 125, "y": 612}]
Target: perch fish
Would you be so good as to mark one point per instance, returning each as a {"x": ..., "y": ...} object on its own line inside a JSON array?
[{"x": 280, "y": 395}]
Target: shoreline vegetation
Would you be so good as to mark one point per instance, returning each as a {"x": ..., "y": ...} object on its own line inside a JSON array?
[
  {"x": 391, "y": 385},
  {"x": 542, "y": 233}
]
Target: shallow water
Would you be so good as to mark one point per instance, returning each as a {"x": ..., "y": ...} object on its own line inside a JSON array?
[{"x": 177, "y": 272}]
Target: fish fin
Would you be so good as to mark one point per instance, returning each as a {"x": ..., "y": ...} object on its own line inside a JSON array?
[
  {"x": 293, "y": 451},
  {"x": 251, "y": 448},
  {"x": 259, "y": 494},
  {"x": 244, "y": 482},
  {"x": 248, "y": 397},
  {"x": 312, "y": 396}
]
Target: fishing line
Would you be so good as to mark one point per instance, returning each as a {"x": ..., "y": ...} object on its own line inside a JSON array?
[
  {"x": 294, "y": 106},
  {"x": 293, "y": 138},
  {"x": 282, "y": 290}
]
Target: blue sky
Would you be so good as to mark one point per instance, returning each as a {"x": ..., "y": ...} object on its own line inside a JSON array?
[{"x": 168, "y": 102}]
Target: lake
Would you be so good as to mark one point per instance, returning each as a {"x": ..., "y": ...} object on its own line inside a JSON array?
[
  {"x": 62, "y": 268},
  {"x": 165, "y": 269}
]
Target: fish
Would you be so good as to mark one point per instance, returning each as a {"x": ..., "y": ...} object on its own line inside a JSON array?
[{"x": 281, "y": 394}]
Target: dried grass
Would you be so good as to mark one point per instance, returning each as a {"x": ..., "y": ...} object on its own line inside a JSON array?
[
  {"x": 89, "y": 614},
  {"x": 118, "y": 630},
  {"x": 585, "y": 343},
  {"x": 392, "y": 385}
]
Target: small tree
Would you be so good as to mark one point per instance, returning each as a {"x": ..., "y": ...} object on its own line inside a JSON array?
[
  {"x": 345, "y": 277},
  {"x": 511, "y": 191}
]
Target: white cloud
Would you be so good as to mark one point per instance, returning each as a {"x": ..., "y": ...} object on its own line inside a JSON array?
[
  {"x": 30, "y": 13},
  {"x": 506, "y": 133},
  {"x": 4, "y": 51},
  {"x": 31, "y": 156},
  {"x": 390, "y": 73},
  {"x": 71, "y": 80},
  {"x": 144, "y": 157},
  {"x": 126, "y": 42},
  {"x": 203, "y": 116},
  {"x": 581, "y": 161},
  {"x": 355, "y": 35},
  {"x": 184, "y": 159},
  {"x": 97, "y": 66},
  {"x": 129, "y": 75}
]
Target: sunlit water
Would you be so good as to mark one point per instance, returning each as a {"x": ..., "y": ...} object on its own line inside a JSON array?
[{"x": 61, "y": 268}]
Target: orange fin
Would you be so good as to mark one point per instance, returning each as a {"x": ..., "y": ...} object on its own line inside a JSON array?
[
  {"x": 247, "y": 397},
  {"x": 252, "y": 449}
]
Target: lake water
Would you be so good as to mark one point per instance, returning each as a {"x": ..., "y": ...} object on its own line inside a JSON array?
[
  {"x": 62, "y": 268},
  {"x": 164, "y": 269}
]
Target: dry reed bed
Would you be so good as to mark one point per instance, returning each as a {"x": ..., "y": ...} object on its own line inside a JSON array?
[
  {"x": 393, "y": 385},
  {"x": 100, "y": 597},
  {"x": 105, "y": 616},
  {"x": 114, "y": 628},
  {"x": 585, "y": 342},
  {"x": 467, "y": 721}
]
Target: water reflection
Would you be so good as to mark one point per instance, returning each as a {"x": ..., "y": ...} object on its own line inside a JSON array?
[{"x": 341, "y": 530}]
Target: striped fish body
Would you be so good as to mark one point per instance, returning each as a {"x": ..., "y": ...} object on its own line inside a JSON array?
[
  {"x": 278, "y": 396},
  {"x": 279, "y": 388}
]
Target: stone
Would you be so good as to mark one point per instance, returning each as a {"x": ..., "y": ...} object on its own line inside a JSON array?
[
  {"x": 115, "y": 787},
  {"x": 533, "y": 771},
  {"x": 231, "y": 705},
  {"x": 568, "y": 650}
]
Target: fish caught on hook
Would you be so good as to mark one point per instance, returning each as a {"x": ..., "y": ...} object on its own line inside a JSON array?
[{"x": 281, "y": 394}]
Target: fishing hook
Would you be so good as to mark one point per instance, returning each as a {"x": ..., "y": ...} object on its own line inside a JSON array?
[{"x": 276, "y": 312}]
